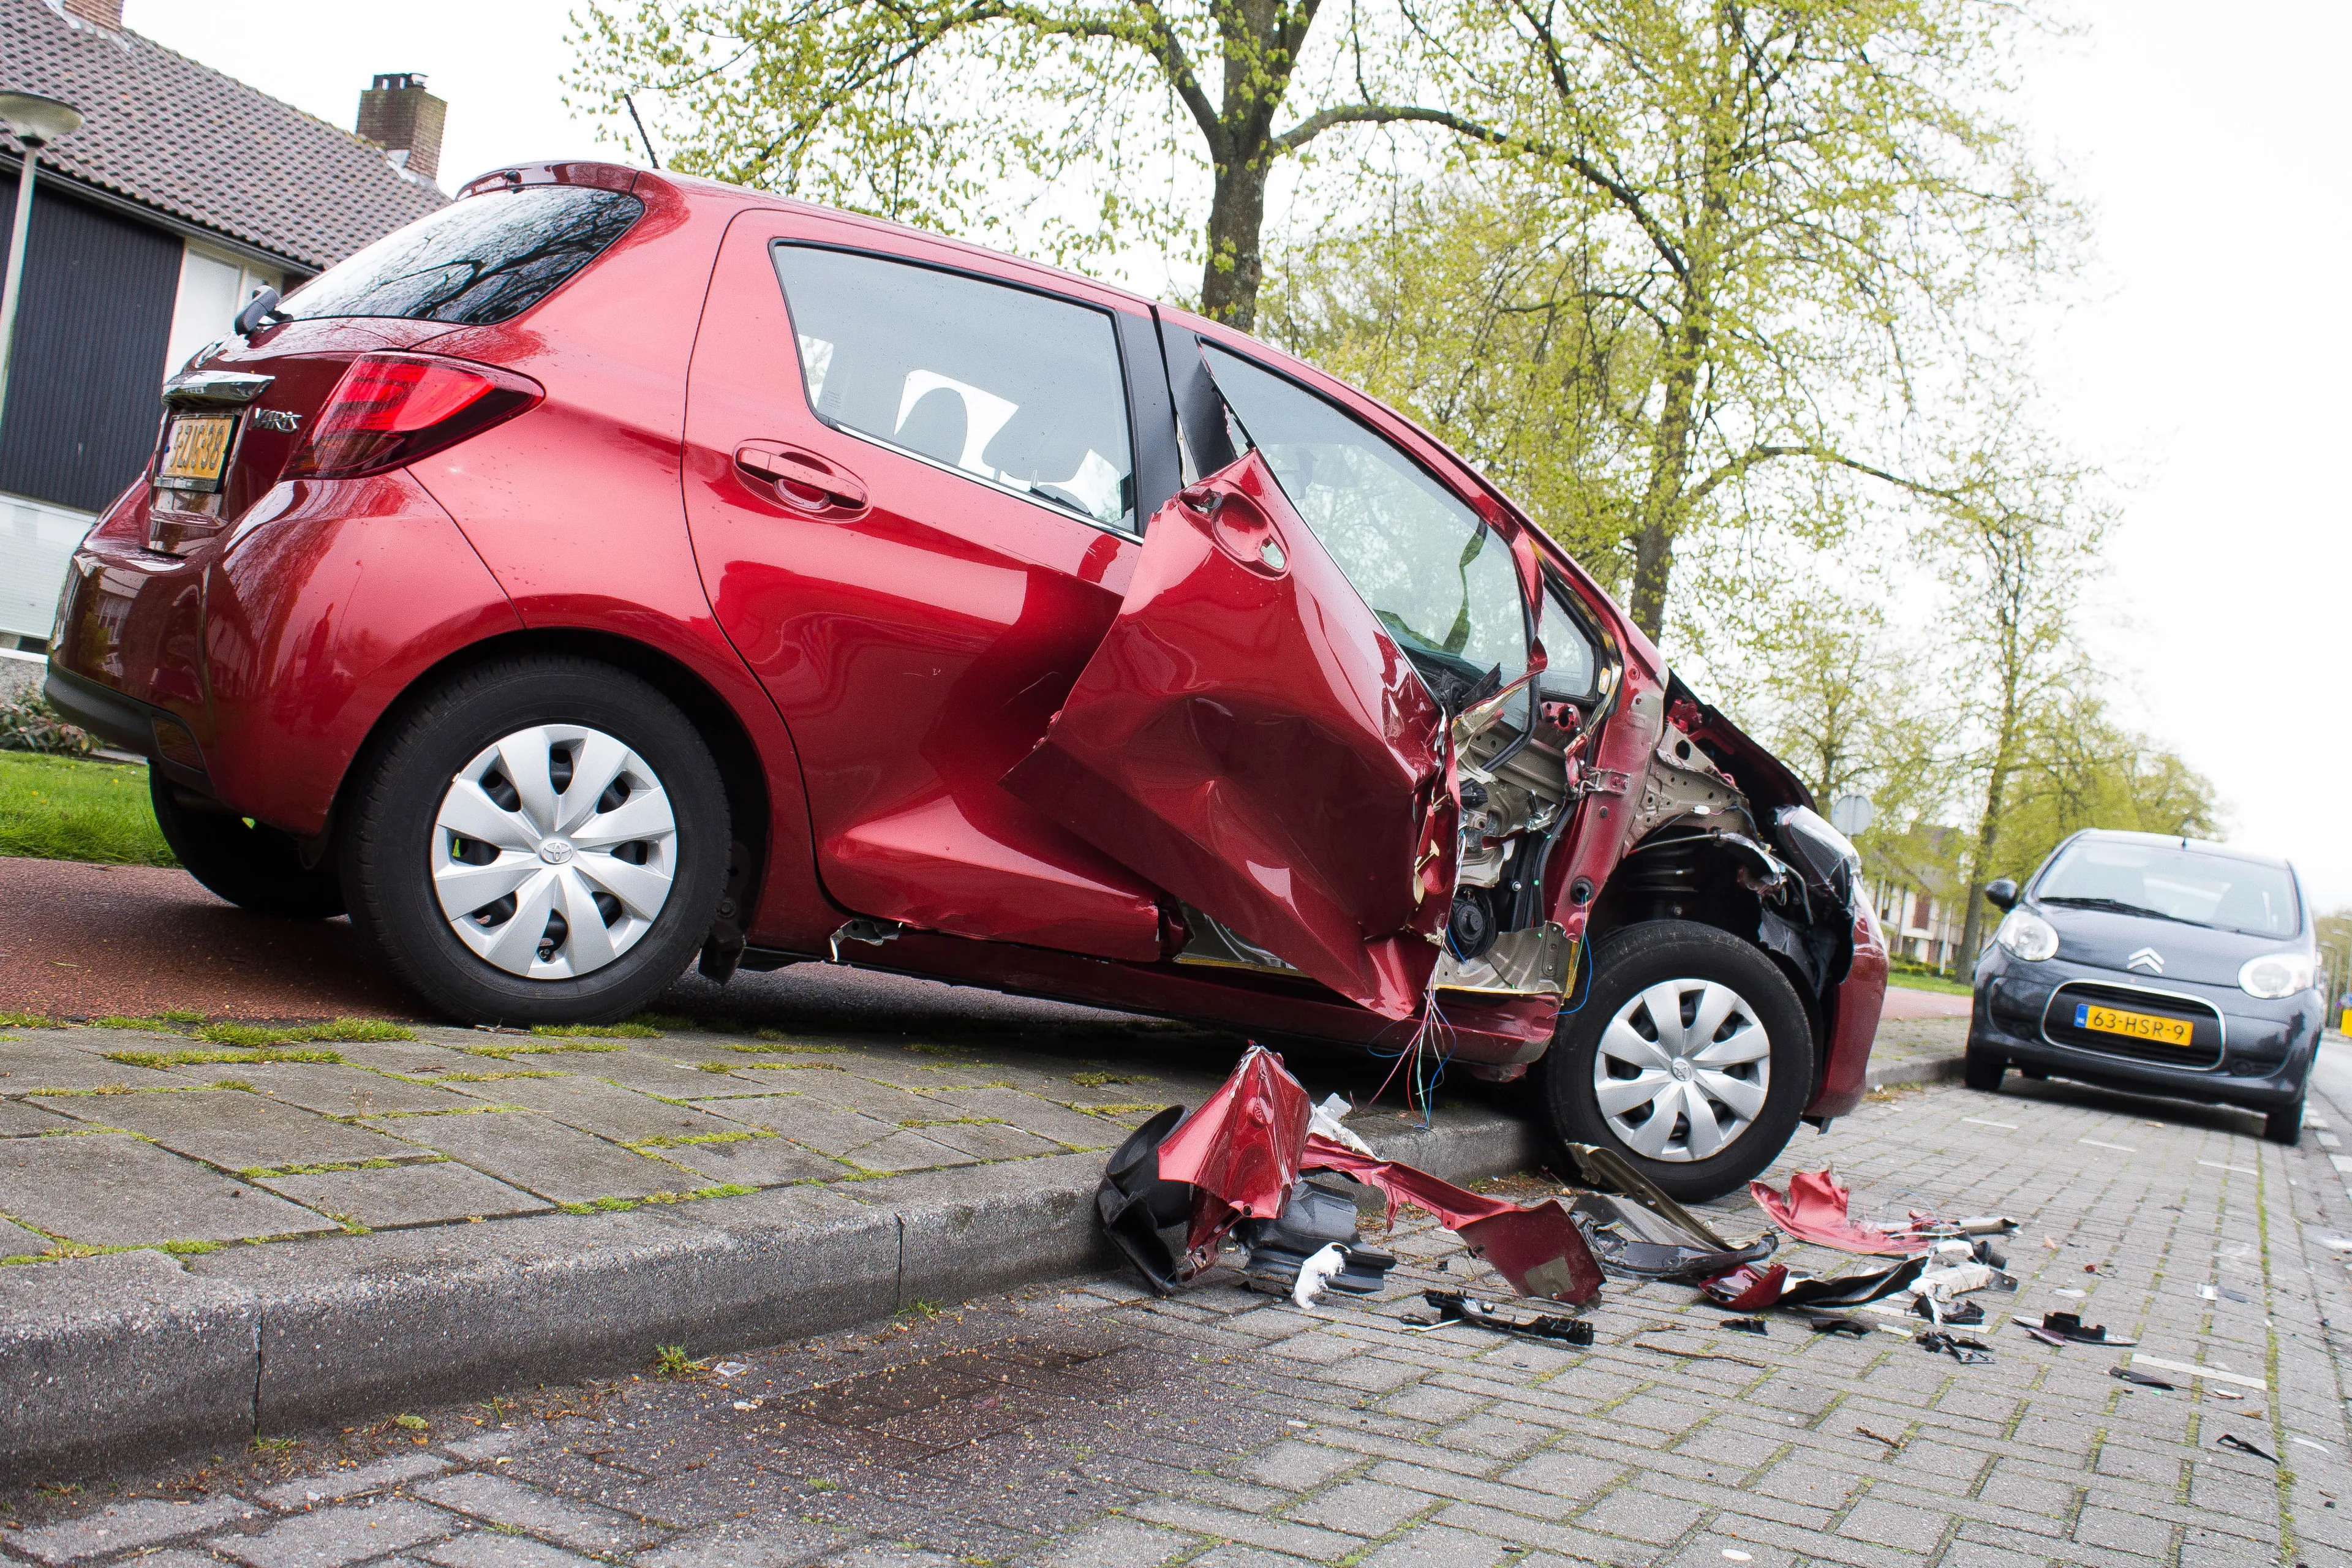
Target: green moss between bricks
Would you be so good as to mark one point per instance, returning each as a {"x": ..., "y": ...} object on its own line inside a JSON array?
[
  {"x": 13, "y": 1020},
  {"x": 698, "y": 1138},
  {"x": 1096, "y": 1080},
  {"x": 623, "y": 1205},
  {"x": 220, "y": 1057},
  {"x": 502, "y": 1052},
  {"x": 596, "y": 1031},
  {"x": 780, "y": 1049},
  {"x": 489, "y": 1077}
]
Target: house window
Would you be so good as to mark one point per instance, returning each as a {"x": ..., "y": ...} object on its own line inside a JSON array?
[{"x": 213, "y": 289}]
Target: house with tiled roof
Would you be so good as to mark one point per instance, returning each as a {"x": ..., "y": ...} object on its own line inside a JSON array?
[{"x": 184, "y": 193}]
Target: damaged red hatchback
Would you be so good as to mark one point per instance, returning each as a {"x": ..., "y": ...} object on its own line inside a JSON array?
[{"x": 612, "y": 568}]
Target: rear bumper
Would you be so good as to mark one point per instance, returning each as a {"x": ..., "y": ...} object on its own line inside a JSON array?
[
  {"x": 252, "y": 667},
  {"x": 2263, "y": 1063}
]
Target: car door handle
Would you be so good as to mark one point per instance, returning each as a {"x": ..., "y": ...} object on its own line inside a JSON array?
[{"x": 800, "y": 481}]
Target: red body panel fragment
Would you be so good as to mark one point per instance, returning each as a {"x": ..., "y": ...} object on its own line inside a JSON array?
[{"x": 1815, "y": 1209}]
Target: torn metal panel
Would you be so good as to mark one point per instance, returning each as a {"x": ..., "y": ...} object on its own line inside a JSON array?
[
  {"x": 1539, "y": 962},
  {"x": 1455, "y": 1308},
  {"x": 1817, "y": 1208},
  {"x": 1539, "y": 1249}
]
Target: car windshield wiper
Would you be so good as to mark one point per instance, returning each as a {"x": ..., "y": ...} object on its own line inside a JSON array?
[{"x": 2117, "y": 906}]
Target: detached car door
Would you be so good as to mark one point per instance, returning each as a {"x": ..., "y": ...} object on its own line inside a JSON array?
[{"x": 1260, "y": 732}]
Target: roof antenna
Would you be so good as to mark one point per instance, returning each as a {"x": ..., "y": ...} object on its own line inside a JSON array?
[{"x": 652, "y": 156}]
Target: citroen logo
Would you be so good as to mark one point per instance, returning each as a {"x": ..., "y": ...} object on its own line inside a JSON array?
[{"x": 2147, "y": 958}]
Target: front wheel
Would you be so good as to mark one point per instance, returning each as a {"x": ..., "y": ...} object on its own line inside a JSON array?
[
  {"x": 1690, "y": 1056},
  {"x": 252, "y": 865},
  {"x": 1981, "y": 1069},
  {"x": 2286, "y": 1125},
  {"x": 541, "y": 841}
]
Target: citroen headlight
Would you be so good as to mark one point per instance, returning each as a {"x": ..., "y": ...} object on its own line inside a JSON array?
[
  {"x": 2276, "y": 974},
  {"x": 2028, "y": 936}
]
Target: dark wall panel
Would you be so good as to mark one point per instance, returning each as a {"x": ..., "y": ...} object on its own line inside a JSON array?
[{"x": 92, "y": 325}]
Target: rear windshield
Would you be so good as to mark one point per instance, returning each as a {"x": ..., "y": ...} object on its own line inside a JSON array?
[
  {"x": 484, "y": 259},
  {"x": 2176, "y": 883}
]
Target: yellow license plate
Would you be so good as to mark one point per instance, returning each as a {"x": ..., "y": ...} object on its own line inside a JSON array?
[
  {"x": 2137, "y": 1026},
  {"x": 195, "y": 452}
]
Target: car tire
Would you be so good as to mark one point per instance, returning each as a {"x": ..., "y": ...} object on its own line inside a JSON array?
[
  {"x": 252, "y": 865},
  {"x": 1981, "y": 1069},
  {"x": 1632, "y": 967},
  {"x": 559, "y": 946},
  {"x": 2285, "y": 1125}
]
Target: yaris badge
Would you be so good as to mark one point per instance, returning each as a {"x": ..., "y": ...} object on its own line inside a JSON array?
[{"x": 2147, "y": 958}]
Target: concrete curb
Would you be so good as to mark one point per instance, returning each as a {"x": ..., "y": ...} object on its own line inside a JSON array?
[
  {"x": 128, "y": 1353},
  {"x": 135, "y": 1353},
  {"x": 1917, "y": 1069}
]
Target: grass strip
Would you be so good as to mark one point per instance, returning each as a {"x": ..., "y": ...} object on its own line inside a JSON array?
[{"x": 66, "y": 808}]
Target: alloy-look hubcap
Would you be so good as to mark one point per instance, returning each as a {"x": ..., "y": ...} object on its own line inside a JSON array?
[
  {"x": 1683, "y": 1070},
  {"x": 554, "y": 851}
]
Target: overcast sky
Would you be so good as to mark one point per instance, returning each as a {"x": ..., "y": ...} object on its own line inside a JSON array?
[{"x": 2205, "y": 363}]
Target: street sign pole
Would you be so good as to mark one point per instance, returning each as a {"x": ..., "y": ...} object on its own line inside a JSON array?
[{"x": 34, "y": 122}]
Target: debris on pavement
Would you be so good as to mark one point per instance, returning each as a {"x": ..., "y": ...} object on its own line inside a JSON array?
[
  {"x": 2140, "y": 1378},
  {"x": 1457, "y": 1309},
  {"x": 2223, "y": 1292},
  {"x": 1314, "y": 1218},
  {"x": 1743, "y": 1325},
  {"x": 2070, "y": 1327},
  {"x": 1316, "y": 1272},
  {"x": 2231, "y": 1441},
  {"x": 1174, "y": 1191},
  {"x": 1967, "y": 1351},
  {"x": 1817, "y": 1207},
  {"x": 1635, "y": 1231},
  {"x": 1895, "y": 1445},
  {"x": 1854, "y": 1328},
  {"x": 1749, "y": 1290}
]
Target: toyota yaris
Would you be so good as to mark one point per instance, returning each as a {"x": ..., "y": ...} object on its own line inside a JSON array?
[
  {"x": 614, "y": 568},
  {"x": 2159, "y": 966}
]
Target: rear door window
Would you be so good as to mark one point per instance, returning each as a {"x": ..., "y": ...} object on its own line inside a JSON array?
[
  {"x": 478, "y": 261},
  {"x": 1438, "y": 577},
  {"x": 1012, "y": 389}
]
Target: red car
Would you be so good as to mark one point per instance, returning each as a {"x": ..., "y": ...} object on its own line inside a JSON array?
[{"x": 614, "y": 568}]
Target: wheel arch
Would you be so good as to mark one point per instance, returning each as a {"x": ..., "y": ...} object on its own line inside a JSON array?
[{"x": 742, "y": 772}]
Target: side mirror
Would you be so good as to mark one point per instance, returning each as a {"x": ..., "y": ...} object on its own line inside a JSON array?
[{"x": 2002, "y": 894}]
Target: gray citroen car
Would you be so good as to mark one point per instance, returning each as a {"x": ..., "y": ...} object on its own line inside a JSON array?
[{"x": 2154, "y": 965}]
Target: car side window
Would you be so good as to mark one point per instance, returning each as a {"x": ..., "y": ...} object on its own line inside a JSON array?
[
  {"x": 1571, "y": 665},
  {"x": 1437, "y": 576},
  {"x": 1014, "y": 389}
]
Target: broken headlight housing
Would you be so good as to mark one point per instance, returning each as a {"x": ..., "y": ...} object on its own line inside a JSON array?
[
  {"x": 1828, "y": 857},
  {"x": 2028, "y": 936},
  {"x": 2276, "y": 974}
]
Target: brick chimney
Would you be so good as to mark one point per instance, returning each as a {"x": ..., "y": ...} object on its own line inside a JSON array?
[
  {"x": 397, "y": 114},
  {"x": 106, "y": 14}
]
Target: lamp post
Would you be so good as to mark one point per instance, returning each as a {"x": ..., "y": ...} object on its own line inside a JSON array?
[{"x": 34, "y": 122}]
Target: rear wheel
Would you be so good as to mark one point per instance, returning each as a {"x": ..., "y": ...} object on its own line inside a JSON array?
[
  {"x": 1981, "y": 1069},
  {"x": 252, "y": 865},
  {"x": 543, "y": 840},
  {"x": 1690, "y": 1056}
]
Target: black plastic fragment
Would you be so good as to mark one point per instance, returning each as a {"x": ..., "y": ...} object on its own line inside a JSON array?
[
  {"x": 1453, "y": 1309},
  {"x": 2045, "y": 1336},
  {"x": 1967, "y": 1351},
  {"x": 2141, "y": 1378},
  {"x": 2067, "y": 1325},
  {"x": 1744, "y": 1325},
  {"x": 1148, "y": 1219},
  {"x": 1313, "y": 1218},
  {"x": 2231, "y": 1441},
  {"x": 1962, "y": 1312},
  {"x": 1853, "y": 1327}
]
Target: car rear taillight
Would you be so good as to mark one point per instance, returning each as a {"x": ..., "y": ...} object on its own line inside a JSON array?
[{"x": 392, "y": 409}]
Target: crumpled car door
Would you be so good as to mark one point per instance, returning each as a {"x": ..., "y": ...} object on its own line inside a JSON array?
[{"x": 1249, "y": 739}]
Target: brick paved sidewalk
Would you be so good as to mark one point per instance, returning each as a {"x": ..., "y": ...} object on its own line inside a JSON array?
[
  {"x": 1091, "y": 1426},
  {"x": 187, "y": 1139}
]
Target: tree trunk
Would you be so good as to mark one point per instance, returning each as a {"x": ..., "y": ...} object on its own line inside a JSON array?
[
  {"x": 1653, "y": 543},
  {"x": 1988, "y": 839},
  {"x": 1236, "y": 219}
]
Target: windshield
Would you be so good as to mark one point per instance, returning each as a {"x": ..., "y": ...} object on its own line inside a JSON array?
[
  {"x": 2180, "y": 884},
  {"x": 487, "y": 258}
]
